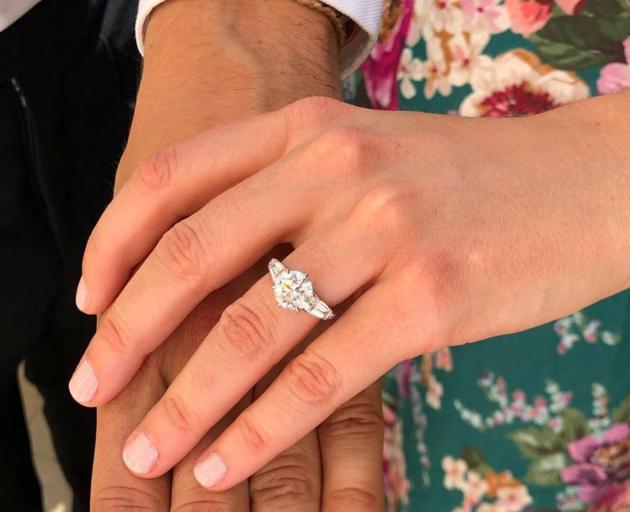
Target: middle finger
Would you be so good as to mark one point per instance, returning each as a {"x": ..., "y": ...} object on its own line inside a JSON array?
[
  {"x": 187, "y": 494},
  {"x": 252, "y": 335},
  {"x": 194, "y": 258}
]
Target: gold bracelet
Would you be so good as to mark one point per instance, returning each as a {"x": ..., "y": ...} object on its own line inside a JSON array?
[{"x": 340, "y": 21}]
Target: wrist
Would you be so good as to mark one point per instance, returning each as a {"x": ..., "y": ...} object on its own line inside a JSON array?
[
  {"x": 212, "y": 62},
  {"x": 589, "y": 140},
  {"x": 268, "y": 46}
]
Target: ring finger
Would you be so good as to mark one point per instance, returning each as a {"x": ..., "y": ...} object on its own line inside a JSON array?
[{"x": 252, "y": 336}]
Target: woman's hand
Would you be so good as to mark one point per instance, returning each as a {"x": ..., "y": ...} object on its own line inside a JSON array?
[
  {"x": 337, "y": 467},
  {"x": 448, "y": 230}
]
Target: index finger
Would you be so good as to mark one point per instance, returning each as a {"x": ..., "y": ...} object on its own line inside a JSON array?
[{"x": 170, "y": 185}]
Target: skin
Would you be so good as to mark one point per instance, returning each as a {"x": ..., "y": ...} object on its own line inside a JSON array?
[
  {"x": 190, "y": 68},
  {"x": 474, "y": 238},
  {"x": 337, "y": 467}
]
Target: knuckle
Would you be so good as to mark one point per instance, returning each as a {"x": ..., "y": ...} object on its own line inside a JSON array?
[
  {"x": 246, "y": 328},
  {"x": 441, "y": 276},
  {"x": 355, "y": 421},
  {"x": 156, "y": 172},
  {"x": 208, "y": 502},
  {"x": 387, "y": 206},
  {"x": 111, "y": 330},
  {"x": 284, "y": 482},
  {"x": 178, "y": 413},
  {"x": 252, "y": 434},
  {"x": 312, "y": 379},
  {"x": 361, "y": 498},
  {"x": 181, "y": 251},
  {"x": 125, "y": 499},
  {"x": 352, "y": 150},
  {"x": 314, "y": 110}
]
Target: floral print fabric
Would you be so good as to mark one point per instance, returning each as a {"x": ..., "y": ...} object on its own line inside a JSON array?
[{"x": 540, "y": 420}]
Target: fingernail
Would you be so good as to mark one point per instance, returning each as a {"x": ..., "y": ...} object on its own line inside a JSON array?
[
  {"x": 83, "y": 384},
  {"x": 211, "y": 471},
  {"x": 82, "y": 296},
  {"x": 140, "y": 455}
]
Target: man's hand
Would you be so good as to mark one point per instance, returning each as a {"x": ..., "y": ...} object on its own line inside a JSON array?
[
  {"x": 338, "y": 468},
  {"x": 207, "y": 63}
]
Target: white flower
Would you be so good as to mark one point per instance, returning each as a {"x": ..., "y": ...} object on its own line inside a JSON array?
[
  {"x": 445, "y": 15},
  {"x": 513, "y": 499},
  {"x": 410, "y": 70},
  {"x": 436, "y": 71},
  {"x": 485, "y": 16},
  {"x": 417, "y": 23},
  {"x": 490, "y": 507},
  {"x": 475, "y": 487},
  {"x": 516, "y": 84},
  {"x": 454, "y": 472},
  {"x": 466, "y": 51},
  {"x": 609, "y": 338}
]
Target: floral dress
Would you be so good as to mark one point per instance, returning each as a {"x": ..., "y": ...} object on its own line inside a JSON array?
[{"x": 535, "y": 421}]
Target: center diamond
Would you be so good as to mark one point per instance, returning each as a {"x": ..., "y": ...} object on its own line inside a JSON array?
[{"x": 293, "y": 290}]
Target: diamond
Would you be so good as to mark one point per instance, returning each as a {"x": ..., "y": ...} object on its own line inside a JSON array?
[{"x": 293, "y": 290}]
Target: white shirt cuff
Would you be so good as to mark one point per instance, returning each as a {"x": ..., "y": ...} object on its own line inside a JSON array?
[{"x": 367, "y": 14}]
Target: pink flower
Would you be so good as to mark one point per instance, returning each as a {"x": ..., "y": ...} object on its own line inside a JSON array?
[
  {"x": 616, "y": 498},
  {"x": 381, "y": 68},
  {"x": 444, "y": 360},
  {"x": 601, "y": 464},
  {"x": 622, "y": 501},
  {"x": 394, "y": 466},
  {"x": 540, "y": 403},
  {"x": 519, "y": 395},
  {"x": 528, "y": 16},
  {"x": 616, "y": 76},
  {"x": 571, "y": 6}
]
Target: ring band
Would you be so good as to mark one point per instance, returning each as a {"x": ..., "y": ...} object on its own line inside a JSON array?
[{"x": 293, "y": 290}]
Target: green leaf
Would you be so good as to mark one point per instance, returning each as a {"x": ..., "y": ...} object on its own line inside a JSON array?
[
  {"x": 609, "y": 8},
  {"x": 622, "y": 413},
  {"x": 574, "y": 426},
  {"x": 578, "y": 42},
  {"x": 535, "y": 443},
  {"x": 475, "y": 459},
  {"x": 546, "y": 470},
  {"x": 617, "y": 28}
]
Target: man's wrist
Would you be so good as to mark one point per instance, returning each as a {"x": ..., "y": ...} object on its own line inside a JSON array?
[
  {"x": 209, "y": 62},
  {"x": 275, "y": 42}
]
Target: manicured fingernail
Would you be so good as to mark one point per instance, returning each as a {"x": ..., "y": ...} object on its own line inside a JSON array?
[
  {"x": 82, "y": 296},
  {"x": 140, "y": 455},
  {"x": 83, "y": 384},
  {"x": 211, "y": 471}
]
